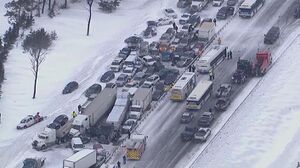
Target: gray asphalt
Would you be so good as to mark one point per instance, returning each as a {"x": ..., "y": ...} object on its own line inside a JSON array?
[{"x": 168, "y": 148}]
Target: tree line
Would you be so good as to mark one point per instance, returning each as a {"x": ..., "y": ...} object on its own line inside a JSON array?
[{"x": 20, "y": 14}]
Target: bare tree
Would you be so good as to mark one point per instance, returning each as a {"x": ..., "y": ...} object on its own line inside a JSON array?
[
  {"x": 90, "y": 3},
  {"x": 37, "y": 43}
]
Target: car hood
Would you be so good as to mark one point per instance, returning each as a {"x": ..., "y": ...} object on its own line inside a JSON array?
[{"x": 20, "y": 125}]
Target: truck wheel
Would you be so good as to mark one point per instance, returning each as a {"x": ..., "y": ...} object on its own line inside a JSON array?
[{"x": 25, "y": 126}]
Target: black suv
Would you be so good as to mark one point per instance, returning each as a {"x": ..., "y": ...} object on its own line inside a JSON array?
[
  {"x": 272, "y": 35},
  {"x": 224, "y": 12}
]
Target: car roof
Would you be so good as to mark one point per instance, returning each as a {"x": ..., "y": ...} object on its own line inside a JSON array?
[
  {"x": 77, "y": 140},
  {"x": 123, "y": 75}
]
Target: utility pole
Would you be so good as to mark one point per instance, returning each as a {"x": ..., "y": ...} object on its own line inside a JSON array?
[{"x": 90, "y": 3}]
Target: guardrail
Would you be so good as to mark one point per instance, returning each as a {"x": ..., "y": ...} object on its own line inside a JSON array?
[{"x": 255, "y": 86}]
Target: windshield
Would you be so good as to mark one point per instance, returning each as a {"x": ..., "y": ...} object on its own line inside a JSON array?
[
  {"x": 169, "y": 11},
  {"x": 149, "y": 59},
  {"x": 78, "y": 146},
  {"x": 23, "y": 121},
  {"x": 77, "y": 127},
  {"x": 185, "y": 27},
  {"x": 42, "y": 137},
  {"x": 129, "y": 63},
  {"x": 135, "y": 109},
  {"x": 115, "y": 63},
  {"x": 138, "y": 78},
  {"x": 150, "y": 79},
  {"x": 127, "y": 70},
  {"x": 201, "y": 133},
  {"x": 121, "y": 78},
  {"x": 128, "y": 123},
  {"x": 243, "y": 10},
  {"x": 185, "y": 116}
]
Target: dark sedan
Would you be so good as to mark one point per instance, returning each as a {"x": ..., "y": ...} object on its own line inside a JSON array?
[
  {"x": 107, "y": 76},
  {"x": 70, "y": 87},
  {"x": 222, "y": 104},
  {"x": 93, "y": 90}
]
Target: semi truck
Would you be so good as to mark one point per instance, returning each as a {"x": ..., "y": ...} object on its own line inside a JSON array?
[
  {"x": 50, "y": 136},
  {"x": 118, "y": 113},
  {"x": 262, "y": 63},
  {"x": 140, "y": 102},
  {"x": 110, "y": 129},
  {"x": 83, "y": 159},
  {"x": 96, "y": 110}
]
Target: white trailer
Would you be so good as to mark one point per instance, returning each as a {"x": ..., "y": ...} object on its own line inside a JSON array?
[
  {"x": 97, "y": 109},
  {"x": 206, "y": 31},
  {"x": 140, "y": 101},
  {"x": 118, "y": 113},
  {"x": 82, "y": 159}
]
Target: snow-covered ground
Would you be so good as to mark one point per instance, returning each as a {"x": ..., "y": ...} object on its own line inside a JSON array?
[
  {"x": 77, "y": 57},
  {"x": 264, "y": 131},
  {"x": 3, "y": 20},
  {"x": 74, "y": 56}
]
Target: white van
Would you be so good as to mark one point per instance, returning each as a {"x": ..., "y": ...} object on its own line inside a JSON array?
[
  {"x": 76, "y": 144},
  {"x": 217, "y": 2},
  {"x": 148, "y": 60}
]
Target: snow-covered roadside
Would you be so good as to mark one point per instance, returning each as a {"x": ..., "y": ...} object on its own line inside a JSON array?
[
  {"x": 3, "y": 20},
  {"x": 73, "y": 57},
  {"x": 265, "y": 127}
]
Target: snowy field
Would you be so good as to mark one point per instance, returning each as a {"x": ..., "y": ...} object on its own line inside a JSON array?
[
  {"x": 3, "y": 20},
  {"x": 73, "y": 57},
  {"x": 264, "y": 132}
]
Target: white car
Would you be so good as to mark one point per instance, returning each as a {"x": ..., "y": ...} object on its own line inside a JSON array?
[
  {"x": 129, "y": 125},
  {"x": 76, "y": 144},
  {"x": 184, "y": 18},
  {"x": 165, "y": 21},
  {"x": 202, "y": 134},
  {"x": 151, "y": 80},
  {"x": 117, "y": 64},
  {"x": 170, "y": 13},
  {"x": 148, "y": 60},
  {"x": 217, "y": 2},
  {"x": 29, "y": 121},
  {"x": 130, "y": 71}
]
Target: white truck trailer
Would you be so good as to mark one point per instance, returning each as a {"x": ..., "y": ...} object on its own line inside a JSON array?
[
  {"x": 97, "y": 109},
  {"x": 85, "y": 158},
  {"x": 140, "y": 102},
  {"x": 51, "y": 136},
  {"x": 118, "y": 113},
  {"x": 206, "y": 31}
]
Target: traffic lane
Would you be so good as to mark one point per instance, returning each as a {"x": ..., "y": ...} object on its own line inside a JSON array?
[
  {"x": 175, "y": 156},
  {"x": 160, "y": 134}
]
